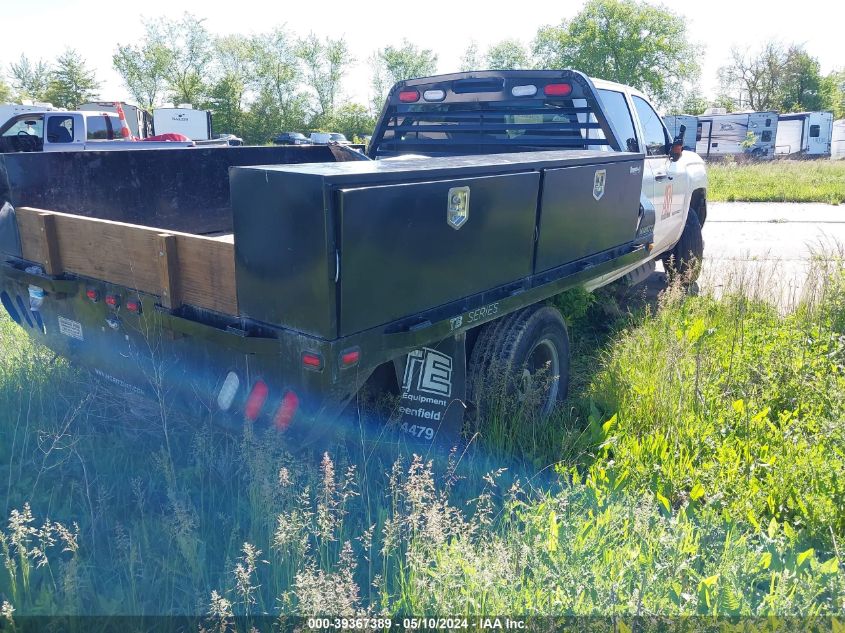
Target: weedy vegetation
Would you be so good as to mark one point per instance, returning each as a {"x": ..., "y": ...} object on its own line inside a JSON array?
[
  {"x": 698, "y": 467},
  {"x": 778, "y": 181}
]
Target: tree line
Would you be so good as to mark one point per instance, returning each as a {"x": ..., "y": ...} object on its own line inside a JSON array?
[{"x": 259, "y": 85}]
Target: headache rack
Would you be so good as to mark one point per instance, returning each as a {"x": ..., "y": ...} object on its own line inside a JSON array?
[{"x": 491, "y": 112}]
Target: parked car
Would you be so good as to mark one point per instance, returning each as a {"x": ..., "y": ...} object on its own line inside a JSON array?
[
  {"x": 324, "y": 138},
  {"x": 291, "y": 138}
]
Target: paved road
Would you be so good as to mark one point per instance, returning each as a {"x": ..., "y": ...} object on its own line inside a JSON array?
[{"x": 769, "y": 247}]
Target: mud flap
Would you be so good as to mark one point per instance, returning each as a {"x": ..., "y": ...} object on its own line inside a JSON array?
[{"x": 433, "y": 390}]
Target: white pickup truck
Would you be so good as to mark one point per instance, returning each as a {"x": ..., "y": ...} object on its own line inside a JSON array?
[
  {"x": 65, "y": 131},
  {"x": 329, "y": 274}
]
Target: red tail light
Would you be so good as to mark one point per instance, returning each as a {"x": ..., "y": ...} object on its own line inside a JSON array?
[
  {"x": 134, "y": 306},
  {"x": 312, "y": 361},
  {"x": 112, "y": 301},
  {"x": 409, "y": 96},
  {"x": 255, "y": 401},
  {"x": 557, "y": 90},
  {"x": 288, "y": 409},
  {"x": 92, "y": 294},
  {"x": 350, "y": 357}
]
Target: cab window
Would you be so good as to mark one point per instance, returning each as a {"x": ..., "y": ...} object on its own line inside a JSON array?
[
  {"x": 98, "y": 129},
  {"x": 617, "y": 111},
  {"x": 655, "y": 136},
  {"x": 29, "y": 126},
  {"x": 60, "y": 129}
]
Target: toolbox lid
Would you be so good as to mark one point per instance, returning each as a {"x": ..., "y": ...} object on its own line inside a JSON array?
[{"x": 363, "y": 171}]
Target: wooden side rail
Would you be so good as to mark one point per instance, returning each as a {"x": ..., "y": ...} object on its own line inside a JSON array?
[{"x": 178, "y": 267}]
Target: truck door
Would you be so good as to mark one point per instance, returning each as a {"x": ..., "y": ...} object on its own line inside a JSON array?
[
  {"x": 666, "y": 178},
  {"x": 62, "y": 132}
]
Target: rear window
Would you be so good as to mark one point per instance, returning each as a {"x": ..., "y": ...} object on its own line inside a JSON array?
[
  {"x": 105, "y": 128},
  {"x": 98, "y": 129},
  {"x": 616, "y": 108},
  {"x": 815, "y": 130}
]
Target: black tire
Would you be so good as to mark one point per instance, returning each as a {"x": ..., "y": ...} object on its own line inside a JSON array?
[
  {"x": 684, "y": 259},
  {"x": 532, "y": 340}
]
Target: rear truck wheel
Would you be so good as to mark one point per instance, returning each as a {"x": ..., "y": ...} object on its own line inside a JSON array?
[
  {"x": 684, "y": 259},
  {"x": 522, "y": 355}
]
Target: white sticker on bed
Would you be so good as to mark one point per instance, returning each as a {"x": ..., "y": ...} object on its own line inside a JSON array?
[{"x": 70, "y": 328}]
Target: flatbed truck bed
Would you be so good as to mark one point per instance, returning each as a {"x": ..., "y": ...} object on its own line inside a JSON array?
[{"x": 273, "y": 283}]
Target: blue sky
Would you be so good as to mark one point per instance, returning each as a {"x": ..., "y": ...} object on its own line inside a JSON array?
[{"x": 445, "y": 26}]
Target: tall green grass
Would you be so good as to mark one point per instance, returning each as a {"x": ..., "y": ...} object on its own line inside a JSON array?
[
  {"x": 697, "y": 468},
  {"x": 778, "y": 181}
]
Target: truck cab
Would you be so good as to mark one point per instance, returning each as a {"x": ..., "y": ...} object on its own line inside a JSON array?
[
  {"x": 57, "y": 131},
  {"x": 672, "y": 184},
  {"x": 65, "y": 131}
]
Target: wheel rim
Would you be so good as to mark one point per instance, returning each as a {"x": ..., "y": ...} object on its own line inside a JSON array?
[{"x": 543, "y": 360}]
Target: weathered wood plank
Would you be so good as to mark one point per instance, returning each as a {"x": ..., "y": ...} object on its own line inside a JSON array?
[
  {"x": 168, "y": 271},
  {"x": 50, "y": 248},
  {"x": 128, "y": 255}
]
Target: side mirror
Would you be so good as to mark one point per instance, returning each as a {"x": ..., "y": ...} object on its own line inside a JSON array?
[
  {"x": 676, "y": 150},
  {"x": 677, "y": 147}
]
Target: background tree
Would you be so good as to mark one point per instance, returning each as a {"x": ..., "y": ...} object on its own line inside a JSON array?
[
  {"x": 325, "y": 63},
  {"x": 144, "y": 68},
  {"x": 776, "y": 77},
  {"x": 72, "y": 83},
  {"x": 632, "y": 42},
  {"x": 191, "y": 53},
  {"x": 507, "y": 55},
  {"x": 30, "y": 79},
  {"x": 833, "y": 93},
  {"x": 397, "y": 63},
  {"x": 232, "y": 74},
  {"x": 471, "y": 59},
  {"x": 801, "y": 84},
  {"x": 691, "y": 103},
  {"x": 353, "y": 120},
  {"x": 5, "y": 92},
  {"x": 724, "y": 101},
  {"x": 280, "y": 104},
  {"x": 751, "y": 80}
]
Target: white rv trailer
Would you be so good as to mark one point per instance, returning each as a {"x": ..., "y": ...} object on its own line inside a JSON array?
[
  {"x": 139, "y": 120},
  {"x": 804, "y": 134},
  {"x": 722, "y": 135},
  {"x": 8, "y": 110},
  {"x": 195, "y": 124},
  {"x": 674, "y": 122},
  {"x": 837, "y": 140}
]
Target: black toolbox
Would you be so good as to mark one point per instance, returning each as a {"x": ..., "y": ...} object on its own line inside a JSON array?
[{"x": 332, "y": 249}]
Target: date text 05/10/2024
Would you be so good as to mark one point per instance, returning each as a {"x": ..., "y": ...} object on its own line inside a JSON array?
[{"x": 416, "y": 623}]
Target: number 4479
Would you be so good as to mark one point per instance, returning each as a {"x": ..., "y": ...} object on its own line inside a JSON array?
[{"x": 418, "y": 431}]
